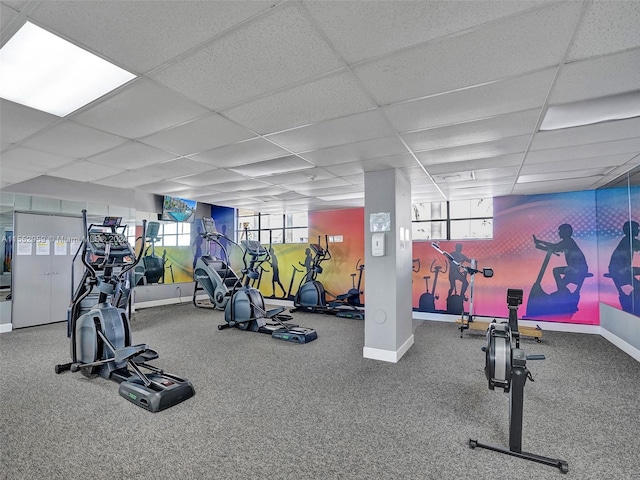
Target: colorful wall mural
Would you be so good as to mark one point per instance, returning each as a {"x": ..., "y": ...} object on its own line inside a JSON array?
[{"x": 551, "y": 246}]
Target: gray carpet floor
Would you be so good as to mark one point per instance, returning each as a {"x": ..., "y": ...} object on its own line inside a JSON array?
[{"x": 267, "y": 409}]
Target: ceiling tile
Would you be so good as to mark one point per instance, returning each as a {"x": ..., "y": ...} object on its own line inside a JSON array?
[
  {"x": 351, "y": 129},
  {"x": 298, "y": 177},
  {"x": 328, "y": 97},
  {"x": 130, "y": 179},
  {"x": 242, "y": 153},
  {"x": 578, "y": 164},
  {"x": 368, "y": 149},
  {"x": 242, "y": 185},
  {"x": 180, "y": 167},
  {"x": 554, "y": 186},
  {"x": 584, "y": 151},
  {"x": 17, "y": 122},
  {"x": 474, "y": 151},
  {"x": 195, "y": 192},
  {"x": 131, "y": 155},
  {"x": 162, "y": 187},
  {"x": 276, "y": 50},
  {"x": 140, "y": 109},
  {"x": 83, "y": 171},
  {"x": 215, "y": 177},
  {"x": 599, "y": 77},
  {"x": 477, "y": 164},
  {"x": 608, "y": 27},
  {"x": 13, "y": 175},
  {"x": 363, "y": 30},
  {"x": 273, "y": 167},
  {"x": 32, "y": 160},
  {"x": 6, "y": 16},
  {"x": 599, "y": 132},
  {"x": 506, "y": 51},
  {"x": 558, "y": 175},
  {"x": 336, "y": 190},
  {"x": 73, "y": 140},
  {"x": 199, "y": 135},
  {"x": 513, "y": 95},
  {"x": 159, "y": 30},
  {"x": 477, "y": 131},
  {"x": 319, "y": 185}
]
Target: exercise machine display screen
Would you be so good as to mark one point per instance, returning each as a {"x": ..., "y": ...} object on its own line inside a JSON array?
[{"x": 112, "y": 221}]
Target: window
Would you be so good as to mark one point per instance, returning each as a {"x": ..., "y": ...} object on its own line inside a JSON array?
[
  {"x": 454, "y": 220},
  {"x": 174, "y": 234},
  {"x": 270, "y": 228}
]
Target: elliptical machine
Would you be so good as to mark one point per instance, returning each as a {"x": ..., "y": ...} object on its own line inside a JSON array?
[
  {"x": 312, "y": 296},
  {"x": 506, "y": 368},
  {"x": 100, "y": 332},
  {"x": 246, "y": 310},
  {"x": 152, "y": 268}
]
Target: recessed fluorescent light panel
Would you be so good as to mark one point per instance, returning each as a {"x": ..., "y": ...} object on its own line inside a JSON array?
[
  {"x": 587, "y": 112},
  {"x": 45, "y": 72}
]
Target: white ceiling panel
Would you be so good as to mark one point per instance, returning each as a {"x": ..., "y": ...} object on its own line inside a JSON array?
[
  {"x": 512, "y": 160},
  {"x": 163, "y": 187},
  {"x": 554, "y": 186},
  {"x": 82, "y": 170},
  {"x": 513, "y": 95},
  {"x": 599, "y": 132},
  {"x": 6, "y": 16},
  {"x": 275, "y": 50},
  {"x": 558, "y": 175},
  {"x": 351, "y": 129},
  {"x": 130, "y": 179},
  {"x": 199, "y": 135},
  {"x": 214, "y": 177},
  {"x": 17, "y": 122},
  {"x": 273, "y": 167},
  {"x": 356, "y": 179},
  {"x": 314, "y": 174},
  {"x": 368, "y": 149},
  {"x": 315, "y": 186},
  {"x": 22, "y": 158},
  {"x": 132, "y": 155},
  {"x": 585, "y": 151},
  {"x": 13, "y": 175},
  {"x": 180, "y": 167},
  {"x": 477, "y": 131},
  {"x": 602, "y": 76},
  {"x": 195, "y": 192},
  {"x": 150, "y": 108},
  {"x": 242, "y": 153},
  {"x": 578, "y": 164},
  {"x": 247, "y": 184},
  {"x": 607, "y": 27},
  {"x": 362, "y": 30},
  {"x": 410, "y": 74},
  {"x": 220, "y": 198},
  {"x": 474, "y": 151},
  {"x": 73, "y": 140},
  {"x": 142, "y": 35},
  {"x": 336, "y": 190},
  {"x": 328, "y": 97}
]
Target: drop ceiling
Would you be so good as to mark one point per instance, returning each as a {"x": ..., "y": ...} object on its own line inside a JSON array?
[{"x": 283, "y": 106}]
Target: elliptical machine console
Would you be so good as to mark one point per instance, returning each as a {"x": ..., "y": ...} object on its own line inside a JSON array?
[
  {"x": 99, "y": 330},
  {"x": 506, "y": 368}
]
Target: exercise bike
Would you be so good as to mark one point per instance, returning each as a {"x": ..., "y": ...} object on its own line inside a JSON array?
[
  {"x": 312, "y": 296},
  {"x": 99, "y": 329},
  {"x": 246, "y": 310},
  {"x": 506, "y": 369},
  {"x": 212, "y": 274}
]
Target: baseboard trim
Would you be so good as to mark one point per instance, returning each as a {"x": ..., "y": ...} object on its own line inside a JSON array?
[
  {"x": 6, "y": 327},
  {"x": 621, "y": 344},
  {"x": 388, "y": 355}
]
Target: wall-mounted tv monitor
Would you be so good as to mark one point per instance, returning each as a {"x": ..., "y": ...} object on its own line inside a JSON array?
[{"x": 176, "y": 209}]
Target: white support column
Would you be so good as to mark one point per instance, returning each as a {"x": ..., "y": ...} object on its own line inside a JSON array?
[{"x": 388, "y": 331}]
